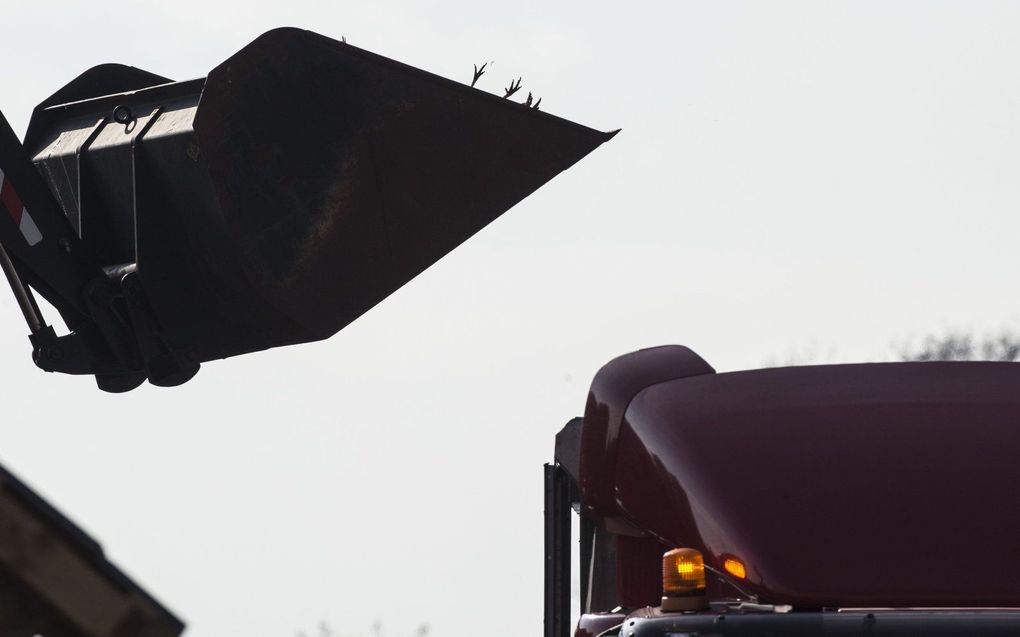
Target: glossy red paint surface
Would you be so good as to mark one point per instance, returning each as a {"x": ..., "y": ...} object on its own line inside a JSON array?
[
  {"x": 845, "y": 485},
  {"x": 611, "y": 391},
  {"x": 639, "y": 571}
]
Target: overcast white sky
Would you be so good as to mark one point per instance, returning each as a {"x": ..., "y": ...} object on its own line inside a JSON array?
[{"x": 791, "y": 177}]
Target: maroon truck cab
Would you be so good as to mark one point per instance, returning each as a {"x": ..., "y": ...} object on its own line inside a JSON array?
[{"x": 837, "y": 489}]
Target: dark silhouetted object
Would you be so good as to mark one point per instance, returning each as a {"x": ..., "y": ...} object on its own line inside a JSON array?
[
  {"x": 515, "y": 86},
  {"x": 55, "y": 581},
  {"x": 271, "y": 203},
  {"x": 479, "y": 72}
]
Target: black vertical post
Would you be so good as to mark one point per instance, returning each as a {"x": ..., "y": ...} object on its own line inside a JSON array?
[{"x": 557, "y": 552}]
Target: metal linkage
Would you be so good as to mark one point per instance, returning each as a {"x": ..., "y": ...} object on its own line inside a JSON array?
[{"x": 22, "y": 293}]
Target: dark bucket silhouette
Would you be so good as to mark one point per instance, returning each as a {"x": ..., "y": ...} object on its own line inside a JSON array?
[{"x": 280, "y": 198}]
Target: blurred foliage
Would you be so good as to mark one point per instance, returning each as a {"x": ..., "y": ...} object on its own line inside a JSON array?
[
  {"x": 952, "y": 345},
  {"x": 1003, "y": 345},
  {"x": 375, "y": 630}
]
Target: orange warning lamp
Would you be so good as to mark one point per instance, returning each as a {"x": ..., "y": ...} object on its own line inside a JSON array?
[{"x": 683, "y": 581}]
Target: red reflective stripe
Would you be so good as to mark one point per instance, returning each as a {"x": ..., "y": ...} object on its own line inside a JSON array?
[{"x": 11, "y": 201}]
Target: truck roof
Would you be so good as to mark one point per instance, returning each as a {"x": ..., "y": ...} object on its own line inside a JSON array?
[{"x": 882, "y": 484}]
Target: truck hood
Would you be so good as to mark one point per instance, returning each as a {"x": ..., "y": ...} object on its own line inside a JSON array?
[{"x": 880, "y": 485}]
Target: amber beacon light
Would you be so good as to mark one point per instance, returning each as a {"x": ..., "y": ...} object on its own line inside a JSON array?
[{"x": 683, "y": 581}]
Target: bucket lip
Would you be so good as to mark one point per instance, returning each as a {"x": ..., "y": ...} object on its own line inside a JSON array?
[
  {"x": 282, "y": 36},
  {"x": 170, "y": 90}
]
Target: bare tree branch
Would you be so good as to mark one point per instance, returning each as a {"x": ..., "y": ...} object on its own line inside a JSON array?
[
  {"x": 478, "y": 73},
  {"x": 513, "y": 88},
  {"x": 963, "y": 346}
]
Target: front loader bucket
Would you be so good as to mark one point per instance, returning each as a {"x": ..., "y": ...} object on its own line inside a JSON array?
[
  {"x": 300, "y": 184},
  {"x": 341, "y": 175}
]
